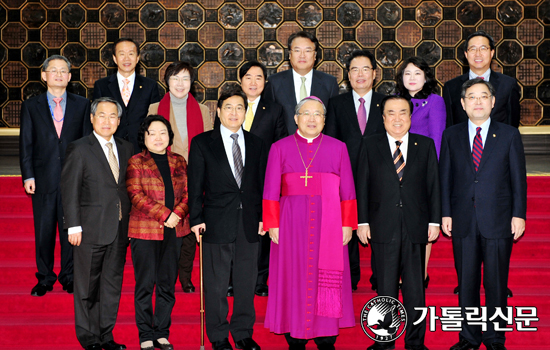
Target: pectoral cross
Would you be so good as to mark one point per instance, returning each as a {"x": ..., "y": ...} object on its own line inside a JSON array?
[{"x": 306, "y": 177}]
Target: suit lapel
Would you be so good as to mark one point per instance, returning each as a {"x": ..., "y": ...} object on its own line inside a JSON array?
[
  {"x": 46, "y": 113},
  {"x": 374, "y": 118},
  {"x": 317, "y": 88},
  {"x": 68, "y": 118},
  {"x": 288, "y": 88},
  {"x": 136, "y": 92},
  {"x": 122, "y": 160},
  {"x": 218, "y": 150},
  {"x": 495, "y": 81},
  {"x": 115, "y": 90},
  {"x": 260, "y": 112},
  {"x": 464, "y": 139},
  {"x": 249, "y": 148},
  {"x": 492, "y": 139},
  {"x": 412, "y": 149},
  {"x": 385, "y": 153}
]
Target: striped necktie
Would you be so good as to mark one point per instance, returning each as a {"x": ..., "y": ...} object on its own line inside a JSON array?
[
  {"x": 477, "y": 148},
  {"x": 398, "y": 160},
  {"x": 237, "y": 159}
]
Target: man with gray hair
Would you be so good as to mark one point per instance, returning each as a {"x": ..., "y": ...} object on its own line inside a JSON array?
[
  {"x": 97, "y": 207},
  {"x": 49, "y": 122}
]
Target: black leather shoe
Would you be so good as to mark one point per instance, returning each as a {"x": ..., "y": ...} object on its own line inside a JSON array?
[
  {"x": 230, "y": 290},
  {"x": 374, "y": 288},
  {"x": 111, "y": 345},
  {"x": 187, "y": 286},
  {"x": 222, "y": 345},
  {"x": 426, "y": 281},
  {"x": 495, "y": 346},
  {"x": 40, "y": 290},
  {"x": 455, "y": 291},
  {"x": 326, "y": 347},
  {"x": 382, "y": 346},
  {"x": 509, "y": 295},
  {"x": 160, "y": 346},
  {"x": 69, "y": 287},
  {"x": 463, "y": 344},
  {"x": 247, "y": 344},
  {"x": 95, "y": 346},
  {"x": 261, "y": 290},
  {"x": 353, "y": 287},
  {"x": 147, "y": 348}
]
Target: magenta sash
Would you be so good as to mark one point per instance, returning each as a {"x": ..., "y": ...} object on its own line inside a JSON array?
[{"x": 331, "y": 255}]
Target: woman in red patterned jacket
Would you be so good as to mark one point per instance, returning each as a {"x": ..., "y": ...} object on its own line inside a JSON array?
[{"x": 157, "y": 185}]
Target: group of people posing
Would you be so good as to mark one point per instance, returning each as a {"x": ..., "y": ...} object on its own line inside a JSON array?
[{"x": 287, "y": 182}]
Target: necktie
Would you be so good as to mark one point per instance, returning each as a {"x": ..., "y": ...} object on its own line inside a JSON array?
[
  {"x": 58, "y": 115},
  {"x": 303, "y": 91},
  {"x": 126, "y": 91},
  {"x": 249, "y": 118},
  {"x": 362, "y": 115},
  {"x": 237, "y": 159},
  {"x": 114, "y": 168},
  {"x": 398, "y": 160},
  {"x": 477, "y": 149}
]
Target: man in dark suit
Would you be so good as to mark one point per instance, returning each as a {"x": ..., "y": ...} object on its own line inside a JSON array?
[
  {"x": 351, "y": 117},
  {"x": 97, "y": 207},
  {"x": 288, "y": 87},
  {"x": 132, "y": 91},
  {"x": 225, "y": 180},
  {"x": 49, "y": 122},
  {"x": 399, "y": 207},
  {"x": 479, "y": 49},
  {"x": 484, "y": 200}
]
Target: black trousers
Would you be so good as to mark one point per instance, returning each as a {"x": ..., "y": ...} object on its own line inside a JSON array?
[
  {"x": 217, "y": 259},
  {"x": 354, "y": 260},
  {"x": 155, "y": 269},
  {"x": 48, "y": 218},
  {"x": 263, "y": 260},
  {"x": 98, "y": 271},
  {"x": 187, "y": 256},
  {"x": 402, "y": 258},
  {"x": 470, "y": 253}
]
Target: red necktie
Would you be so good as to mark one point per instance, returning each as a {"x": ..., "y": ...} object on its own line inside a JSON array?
[
  {"x": 58, "y": 115},
  {"x": 477, "y": 149}
]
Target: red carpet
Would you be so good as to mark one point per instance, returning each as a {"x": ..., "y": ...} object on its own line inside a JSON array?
[{"x": 48, "y": 322}]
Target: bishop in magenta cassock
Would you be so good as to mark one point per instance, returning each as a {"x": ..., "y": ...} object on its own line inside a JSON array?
[{"x": 310, "y": 210}]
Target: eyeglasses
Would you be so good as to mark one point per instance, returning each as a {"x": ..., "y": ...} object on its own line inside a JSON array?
[
  {"x": 55, "y": 72},
  {"x": 356, "y": 70},
  {"x": 180, "y": 80},
  {"x": 110, "y": 118},
  {"x": 316, "y": 115},
  {"x": 482, "y": 98},
  {"x": 238, "y": 109},
  {"x": 481, "y": 49},
  {"x": 308, "y": 51}
]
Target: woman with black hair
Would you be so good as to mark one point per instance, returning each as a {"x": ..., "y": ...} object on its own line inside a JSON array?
[{"x": 156, "y": 181}]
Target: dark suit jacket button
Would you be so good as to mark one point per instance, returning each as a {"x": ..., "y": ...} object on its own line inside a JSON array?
[
  {"x": 475, "y": 181},
  {"x": 242, "y": 191},
  {"x": 397, "y": 205},
  {"x": 400, "y": 186},
  {"x": 60, "y": 141},
  {"x": 401, "y": 205},
  {"x": 473, "y": 199}
]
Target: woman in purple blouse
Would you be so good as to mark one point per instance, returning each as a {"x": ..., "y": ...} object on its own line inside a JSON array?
[{"x": 416, "y": 81}]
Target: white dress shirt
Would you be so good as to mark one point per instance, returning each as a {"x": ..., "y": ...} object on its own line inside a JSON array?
[
  {"x": 228, "y": 145},
  {"x": 103, "y": 143},
  {"x": 298, "y": 83},
  {"x": 120, "y": 79}
]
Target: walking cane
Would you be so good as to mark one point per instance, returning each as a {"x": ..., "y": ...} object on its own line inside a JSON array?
[{"x": 202, "y": 289}]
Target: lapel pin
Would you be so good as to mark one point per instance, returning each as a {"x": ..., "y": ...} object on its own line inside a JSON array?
[
  {"x": 377, "y": 105},
  {"x": 494, "y": 135},
  {"x": 263, "y": 107},
  {"x": 140, "y": 86},
  {"x": 416, "y": 144}
]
